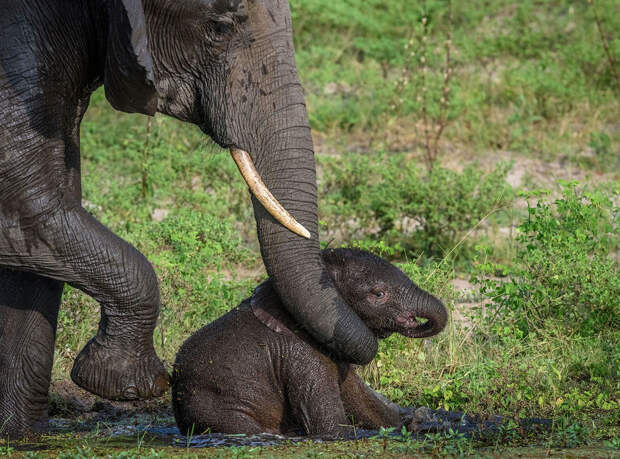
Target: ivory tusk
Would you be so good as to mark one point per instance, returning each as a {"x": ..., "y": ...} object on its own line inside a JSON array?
[{"x": 262, "y": 193}]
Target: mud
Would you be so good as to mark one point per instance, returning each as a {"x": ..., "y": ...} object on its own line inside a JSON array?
[{"x": 74, "y": 410}]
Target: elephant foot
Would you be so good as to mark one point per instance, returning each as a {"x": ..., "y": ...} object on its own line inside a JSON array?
[{"x": 120, "y": 374}]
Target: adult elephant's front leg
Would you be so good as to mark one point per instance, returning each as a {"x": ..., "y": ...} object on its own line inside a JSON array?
[
  {"x": 28, "y": 313},
  {"x": 70, "y": 245}
]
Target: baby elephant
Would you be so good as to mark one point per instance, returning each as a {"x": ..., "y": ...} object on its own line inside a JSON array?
[{"x": 254, "y": 370}]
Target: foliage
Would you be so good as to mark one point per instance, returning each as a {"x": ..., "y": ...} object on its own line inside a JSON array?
[
  {"x": 443, "y": 205},
  {"x": 87, "y": 453},
  {"x": 568, "y": 434},
  {"x": 614, "y": 443},
  {"x": 564, "y": 268},
  {"x": 600, "y": 143},
  {"x": 421, "y": 212}
]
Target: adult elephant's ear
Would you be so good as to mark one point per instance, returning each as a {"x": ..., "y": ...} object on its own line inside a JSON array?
[{"x": 128, "y": 74}]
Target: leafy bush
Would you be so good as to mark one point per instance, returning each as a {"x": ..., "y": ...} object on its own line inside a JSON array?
[
  {"x": 195, "y": 240},
  {"x": 395, "y": 201},
  {"x": 600, "y": 143},
  {"x": 564, "y": 267},
  {"x": 441, "y": 205}
]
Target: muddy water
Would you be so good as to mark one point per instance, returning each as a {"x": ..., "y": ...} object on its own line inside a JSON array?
[
  {"x": 80, "y": 418},
  {"x": 169, "y": 435},
  {"x": 160, "y": 428},
  {"x": 169, "y": 438}
]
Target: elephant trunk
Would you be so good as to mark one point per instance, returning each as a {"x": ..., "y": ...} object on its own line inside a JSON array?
[
  {"x": 258, "y": 107},
  {"x": 283, "y": 155},
  {"x": 436, "y": 314},
  {"x": 250, "y": 99},
  {"x": 423, "y": 306}
]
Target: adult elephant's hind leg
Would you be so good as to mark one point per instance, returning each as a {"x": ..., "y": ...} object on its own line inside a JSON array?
[{"x": 28, "y": 313}]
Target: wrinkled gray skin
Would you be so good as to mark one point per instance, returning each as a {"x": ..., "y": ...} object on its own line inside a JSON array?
[
  {"x": 227, "y": 66},
  {"x": 253, "y": 370}
]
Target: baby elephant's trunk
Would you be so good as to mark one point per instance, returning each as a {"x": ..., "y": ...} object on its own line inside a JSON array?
[
  {"x": 437, "y": 314},
  {"x": 428, "y": 308}
]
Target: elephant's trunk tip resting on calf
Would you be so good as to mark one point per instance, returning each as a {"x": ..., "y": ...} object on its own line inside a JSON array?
[
  {"x": 254, "y": 370},
  {"x": 225, "y": 66}
]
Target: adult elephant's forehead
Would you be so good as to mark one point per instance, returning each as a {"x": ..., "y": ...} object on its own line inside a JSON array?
[{"x": 267, "y": 14}]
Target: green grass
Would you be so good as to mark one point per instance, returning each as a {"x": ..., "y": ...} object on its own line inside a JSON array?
[
  {"x": 531, "y": 79},
  {"x": 530, "y": 76},
  {"x": 80, "y": 447}
]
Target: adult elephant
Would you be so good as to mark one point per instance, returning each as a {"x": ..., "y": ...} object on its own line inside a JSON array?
[{"x": 227, "y": 66}]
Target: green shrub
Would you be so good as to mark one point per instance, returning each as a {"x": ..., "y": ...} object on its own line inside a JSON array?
[
  {"x": 564, "y": 267},
  {"x": 443, "y": 204},
  {"x": 344, "y": 181},
  {"x": 195, "y": 240},
  {"x": 396, "y": 201}
]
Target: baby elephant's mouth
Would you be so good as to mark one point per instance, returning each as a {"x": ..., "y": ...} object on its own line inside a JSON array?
[{"x": 412, "y": 326}]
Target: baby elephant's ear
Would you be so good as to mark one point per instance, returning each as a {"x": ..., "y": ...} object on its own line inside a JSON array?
[{"x": 128, "y": 74}]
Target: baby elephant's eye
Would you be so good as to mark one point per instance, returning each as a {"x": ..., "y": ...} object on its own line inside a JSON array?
[{"x": 377, "y": 292}]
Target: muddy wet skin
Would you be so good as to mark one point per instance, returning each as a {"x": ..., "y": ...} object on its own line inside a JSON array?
[{"x": 74, "y": 410}]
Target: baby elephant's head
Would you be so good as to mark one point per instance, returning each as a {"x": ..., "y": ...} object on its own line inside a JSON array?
[{"x": 383, "y": 296}]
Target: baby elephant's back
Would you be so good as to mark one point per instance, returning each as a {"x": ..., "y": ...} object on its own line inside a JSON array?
[
  {"x": 220, "y": 339},
  {"x": 224, "y": 376}
]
